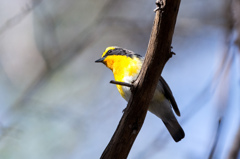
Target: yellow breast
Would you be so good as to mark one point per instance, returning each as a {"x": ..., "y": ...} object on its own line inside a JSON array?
[{"x": 125, "y": 69}]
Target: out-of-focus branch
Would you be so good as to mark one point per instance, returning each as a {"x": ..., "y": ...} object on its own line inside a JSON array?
[
  {"x": 235, "y": 10},
  {"x": 46, "y": 35},
  {"x": 10, "y": 23},
  {"x": 235, "y": 17},
  {"x": 215, "y": 140},
  {"x": 83, "y": 40},
  {"x": 158, "y": 53},
  {"x": 235, "y": 150}
]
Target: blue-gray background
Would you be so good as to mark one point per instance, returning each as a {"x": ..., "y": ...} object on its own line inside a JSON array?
[{"x": 56, "y": 103}]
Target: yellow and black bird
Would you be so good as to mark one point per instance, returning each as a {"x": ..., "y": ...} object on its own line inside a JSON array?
[{"x": 126, "y": 66}]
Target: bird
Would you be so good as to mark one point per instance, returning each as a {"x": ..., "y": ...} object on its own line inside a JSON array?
[{"x": 126, "y": 65}]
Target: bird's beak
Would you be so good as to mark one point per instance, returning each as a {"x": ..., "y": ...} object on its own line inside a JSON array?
[{"x": 100, "y": 60}]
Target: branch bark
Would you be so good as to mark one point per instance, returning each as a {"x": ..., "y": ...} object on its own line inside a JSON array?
[{"x": 158, "y": 53}]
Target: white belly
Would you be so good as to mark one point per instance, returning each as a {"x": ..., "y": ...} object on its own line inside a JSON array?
[
  {"x": 126, "y": 90},
  {"x": 158, "y": 95},
  {"x": 159, "y": 105}
]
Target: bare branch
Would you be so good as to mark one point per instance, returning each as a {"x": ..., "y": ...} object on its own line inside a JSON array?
[{"x": 158, "y": 53}]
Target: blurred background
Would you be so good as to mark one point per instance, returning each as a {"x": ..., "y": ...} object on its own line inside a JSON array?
[{"x": 56, "y": 103}]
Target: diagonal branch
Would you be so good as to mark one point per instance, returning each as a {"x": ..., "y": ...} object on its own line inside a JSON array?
[{"x": 158, "y": 53}]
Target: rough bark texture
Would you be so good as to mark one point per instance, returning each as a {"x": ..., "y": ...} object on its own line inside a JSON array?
[{"x": 158, "y": 53}]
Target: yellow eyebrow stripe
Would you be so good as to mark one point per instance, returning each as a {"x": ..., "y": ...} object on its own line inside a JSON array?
[{"x": 107, "y": 49}]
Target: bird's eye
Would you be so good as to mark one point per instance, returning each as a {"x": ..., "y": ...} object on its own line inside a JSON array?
[{"x": 109, "y": 51}]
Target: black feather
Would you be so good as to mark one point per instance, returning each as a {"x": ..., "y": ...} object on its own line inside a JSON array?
[
  {"x": 121, "y": 51},
  {"x": 168, "y": 94}
]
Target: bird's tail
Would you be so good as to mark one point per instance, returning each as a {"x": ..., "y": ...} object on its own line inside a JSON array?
[{"x": 175, "y": 129}]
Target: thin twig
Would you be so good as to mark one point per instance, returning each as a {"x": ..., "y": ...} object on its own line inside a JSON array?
[{"x": 121, "y": 83}]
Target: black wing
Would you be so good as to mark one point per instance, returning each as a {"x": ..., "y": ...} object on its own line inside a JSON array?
[{"x": 168, "y": 94}]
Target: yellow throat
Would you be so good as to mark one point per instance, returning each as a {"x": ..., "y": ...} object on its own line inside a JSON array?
[{"x": 124, "y": 68}]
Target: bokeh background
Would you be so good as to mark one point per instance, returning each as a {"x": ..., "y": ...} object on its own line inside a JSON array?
[{"x": 56, "y": 103}]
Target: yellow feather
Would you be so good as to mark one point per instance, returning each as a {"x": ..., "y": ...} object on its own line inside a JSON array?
[
  {"x": 122, "y": 67},
  {"x": 107, "y": 49}
]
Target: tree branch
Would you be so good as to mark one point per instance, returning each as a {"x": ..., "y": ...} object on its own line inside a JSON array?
[{"x": 158, "y": 53}]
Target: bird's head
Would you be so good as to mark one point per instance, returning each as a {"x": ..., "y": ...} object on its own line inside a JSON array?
[{"x": 115, "y": 56}]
